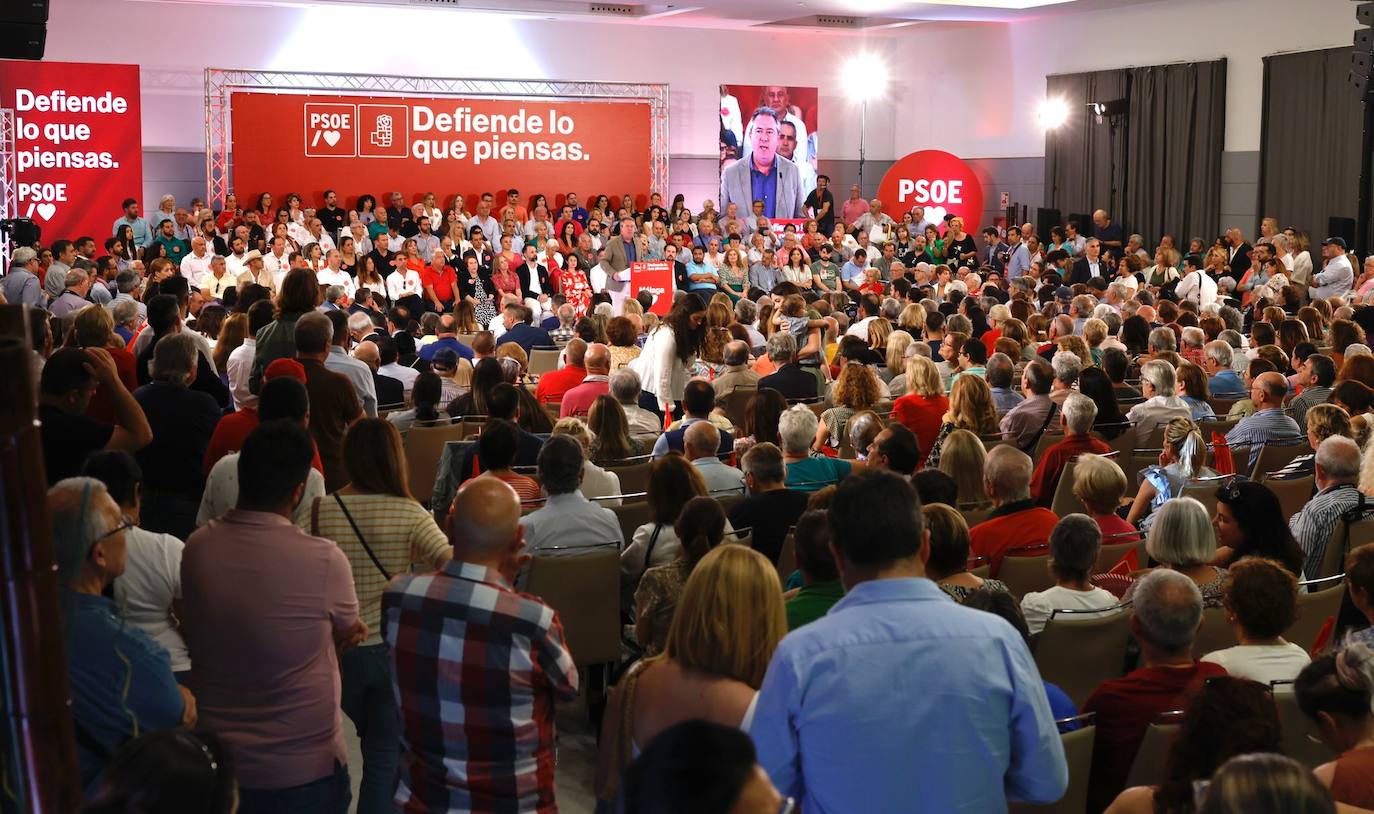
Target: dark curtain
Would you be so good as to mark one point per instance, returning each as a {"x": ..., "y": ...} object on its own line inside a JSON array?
[
  {"x": 1079, "y": 153},
  {"x": 1309, "y": 140},
  {"x": 1174, "y": 142}
]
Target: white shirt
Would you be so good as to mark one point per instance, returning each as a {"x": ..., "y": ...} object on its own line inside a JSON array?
[
  {"x": 533, "y": 272},
  {"x": 597, "y": 482},
  {"x": 222, "y": 492},
  {"x": 193, "y": 268},
  {"x": 1158, "y": 410},
  {"x": 659, "y": 369},
  {"x": 1038, "y": 605},
  {"x": 340, "y": 278},
  {"x": 235, "y": 265},
  {"x": 1335, "y": 278},
  {"x": 403, "y": 283},
  {"x": 238, "y": 367},
  {"x": 860, "y": 328},
  {"x": 277, "y": 266},
  {"x": 1262, "y": 662},
  {"x": 1197, "y": 287},
  {"x": 145, "y": 591},
  {"x": 406, "y": 375}
]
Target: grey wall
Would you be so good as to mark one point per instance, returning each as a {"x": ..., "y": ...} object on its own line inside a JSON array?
[{"x": 1239, "y": 193}]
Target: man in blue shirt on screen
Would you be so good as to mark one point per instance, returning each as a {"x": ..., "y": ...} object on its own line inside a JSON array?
[
  {"x": 900, "y": 699},
  {"x": 763, "y": 175}
]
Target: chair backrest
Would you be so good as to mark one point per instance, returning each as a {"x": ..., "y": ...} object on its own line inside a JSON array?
[
  {"x": 1204, "y": 490},
  {"x": 736, "y": 403},
  {"x": 1078, "y": 754},
  {"x": 632, "y": 516},
  {"x": 424, "y": 447},
  {"x": 1215, "y": 633},
  {"x": 1117, "y": 546},
  {"x": 787, "y": 555},
  {"x": 1065, "y": 501},
  {"x": 1296, "y": 727},
  {"x": 973, "y": 517},
  {"x": 980, "y": 566},
  {"x": 1025, "y": 570},
  {"x": 585, "y": 590},
  {"x": 727, "y": 500},
  {"x": 1047, "y": 440},
  {"x": 1292, "y": 493},
  {"x": 1321, "y": 601},
  {"x": 1123, "y": 444},
  {"x": 818, "y": 407},
  {"x": 1149, "y": 764},
  {"x": 1077, "y": 651},
  {"x": 543, "y": 360},
  {"x": 633, "y": 477},
  {"x": 1276, "y": 455}
]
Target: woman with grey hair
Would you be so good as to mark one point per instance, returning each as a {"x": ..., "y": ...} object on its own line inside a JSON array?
[
  {"x": 182, "y": 420},
  {"x": 1074, "y": 544},
  {"x": 1182, "y": 539}
]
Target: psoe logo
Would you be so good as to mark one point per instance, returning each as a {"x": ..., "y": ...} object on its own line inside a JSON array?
[
  {"x": 331, "y": 130},
  {"x": 384, "y": 131}
]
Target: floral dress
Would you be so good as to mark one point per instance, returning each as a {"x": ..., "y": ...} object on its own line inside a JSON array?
[{"x": 576, "y": 290}]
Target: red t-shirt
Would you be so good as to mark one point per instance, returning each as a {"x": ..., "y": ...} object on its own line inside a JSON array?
[
  {"x": 1125, "y": 708},
  {"x": 1026, "y": 526},
  {"x": 922, "y": 415},
  {"x": 555, "y": 383},
  {"x": 1051, "y": 466},
  {"x": 230, "y": 433},
  {"x": 101, "y": 407},
  {"x": 990, "y": 338},
  {"x": 442, "y": 280}
]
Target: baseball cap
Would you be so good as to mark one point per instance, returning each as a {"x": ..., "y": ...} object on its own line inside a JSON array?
[
  {"x": 1063, "y": 292},
  {"x": 1335, "y": 241},
  {"x": 23, "y": 256},
  {"x": 444, "y": 359},
  {"x": 284, "y": 367}
]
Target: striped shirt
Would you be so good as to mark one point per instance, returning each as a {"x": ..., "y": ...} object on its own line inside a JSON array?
[
  {"x": 1272, "y": 424},
  {"x": 1314, "y": 524},
  {"x": 397, "y": 529}
]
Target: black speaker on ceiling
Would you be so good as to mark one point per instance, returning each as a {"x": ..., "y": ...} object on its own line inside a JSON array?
[
  {"x": 25, "y": 23},
  {"x": 1046, "y": 219},
  {"x": 1343, "y": 228}
]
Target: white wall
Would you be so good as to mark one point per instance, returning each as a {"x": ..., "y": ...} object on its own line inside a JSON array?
[{"x": 993, "y": 76}]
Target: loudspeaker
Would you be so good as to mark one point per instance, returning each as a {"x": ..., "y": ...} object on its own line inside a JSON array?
[
  {"x": 1364, "y": 39},
  {"x": 1364, "y": 13},
  {"x": 1361, "y": 60},
  {"x": 26, "y": 21},
  {"x": 1084, "y": 221},
  {"x": 1343, "y": 228},
  {"x": 1045, "y": 219}
]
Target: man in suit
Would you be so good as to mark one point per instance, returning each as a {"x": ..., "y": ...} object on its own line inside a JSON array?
[
  {"x": 534, "y": 279},
  {"x": 517, "y": 318},
  {"x": 619, "y": 252},
  {"x": 389, "y": 390},
  {"x": 1239, "y": 253},
  {"x": 763, "y": 175},
  {"x": 789, "y": 378},
  {"x": 1090, "y": 265}
]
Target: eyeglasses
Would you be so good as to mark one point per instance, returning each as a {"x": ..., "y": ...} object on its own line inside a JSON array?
[{"x": 124, "y": 524}]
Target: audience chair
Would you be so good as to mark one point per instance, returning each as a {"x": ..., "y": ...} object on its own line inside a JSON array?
[
  {"x": 1065, "y": 501},
  {"x": 633, "y": 473},
  {"x": 1116, "y": 546},
  {"x": 1215, "y": 633},
  {"x": 736, "y": 404},
  {"x": 787, "y": 556},
  {"x": 1318, "y": 604},
  {"x": 1121, "y": 444},
  {"x": 1345, "y": 537},
  {"x": 466, "y": 339},
  {"x": 543, "y": 360},
  {"x": 1217, "y": 425},
  {"x": 1047, "y": 440},
  {"x": 584, "y": 588},
  {"x": 974, "y": 516},
  {"x": 632, "y": 516},
  {"x": 1025, "y": 569},
  {"x": 423, "y": 447},
  {"x": 980, "y": 566},
  {"x": 1080, "y": 649},
  {"x": 1078, "y": 753},
  {"x": 1204, "y": 490},
  {"x": 1149, "y": 764},
  {"x": 727, "y": 500},
  {"x": 1275, "y": 455},
  {"x": 1222, "y": 407},
  {"x": 1293, "y": 493},
  {"x": 817, "y": 407},
  {"x": 1296, "y": 727}
]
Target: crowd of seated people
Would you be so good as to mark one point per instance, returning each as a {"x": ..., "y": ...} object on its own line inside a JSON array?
[{"x": 814, "y": 471}]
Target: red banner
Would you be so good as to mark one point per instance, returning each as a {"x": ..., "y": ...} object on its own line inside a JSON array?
[
  {"x": 307, "y": 143},
  {"x": 656, "y": 277},
  {"x": 79, "y": 143},
  {"x": 938, "y": 181}
]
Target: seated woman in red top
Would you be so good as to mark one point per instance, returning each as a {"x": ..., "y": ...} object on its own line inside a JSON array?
[
  {"x": 439, "y": 281},
  {"x": 572, "y": 284},
  {"x": 505, "y": 279},
  {"x": 924, "y": 405},
  {"x": 496, "y": 448},
  {"x": 1015, "y": 521},
  {"x": 1099, "y": 484}
]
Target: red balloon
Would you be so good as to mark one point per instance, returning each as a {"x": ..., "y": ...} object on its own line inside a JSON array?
[{"x": 939, "y": 181}]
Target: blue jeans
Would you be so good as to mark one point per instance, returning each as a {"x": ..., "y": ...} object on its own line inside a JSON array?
[
  {"x": 328, "y": 795},
  {"x": 369, "y": 702}
]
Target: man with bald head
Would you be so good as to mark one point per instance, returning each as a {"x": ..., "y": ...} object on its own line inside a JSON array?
[
  {"x": 390, "y": 391},
  {"x": 737, "y": 373},
  {"x": 701, "y": 443},
  {"x": 596, "y": 383},
  {"x": 466, "y": 626},
  {"x": 1269, "y": 424},
  {"x": 556, "y": 383}
]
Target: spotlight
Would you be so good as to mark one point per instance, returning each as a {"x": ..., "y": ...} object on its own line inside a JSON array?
[
  {"x": 1112, "y": 109},
  {"x": 1053, "y": 113},
  {"x": 865, "y": 76}
]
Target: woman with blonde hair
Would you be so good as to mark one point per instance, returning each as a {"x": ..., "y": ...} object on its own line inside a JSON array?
[
  {"x": 912, "y": 320},
  {"x": 923, "y": 407},
  {"x": 728, "y": 622},
  {"x": 879, "y": 330},
  {"x": 970, "y": 408},
  {"x": 1183, "y": 458},
  {"x": 857, "y": 388},
  {"x": 895, "y": 355},
  {"x": 1078, "y": 346},
  {"x": 383, "y": 530},
  {"x": 962, "y": 459}
]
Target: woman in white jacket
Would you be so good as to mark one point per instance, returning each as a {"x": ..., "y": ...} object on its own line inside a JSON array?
[{"x": 670, "y": 351}]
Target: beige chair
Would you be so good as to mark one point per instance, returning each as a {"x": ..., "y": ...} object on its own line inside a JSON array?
[
  {"x": 634, "y": 477},
  {"x": 1215, "y": 633},
  {"x": 632, "y": 516},
  {"x": 1275, "y": 455},
  {"x": 1065, "y": 501},
  {"x": 1078, "y": 753},
  {"x": 1026, "y": 569},
  {"x": 727, "y": 500},
  {"x": 1123, "y": 444},
  {"x": 973, "y": 517},
  {"x": 1321, "y": 602},
  {"x": 1204, "y": 491},
  {"x": 980, "y": 567},
  {"x": 787, "y": 556},
  {"x": 1149, "y": 764},
  {"x": 1296, "y": 728},
  {"x": 1115, "y": 546},
  {"x": 543, "y": 360},
  {"x": 1292, "y": 493},
  {"x": 1078, "y": 650},
  {"x": 585, "y": 590},
  {"x": 424, "y": 447}
]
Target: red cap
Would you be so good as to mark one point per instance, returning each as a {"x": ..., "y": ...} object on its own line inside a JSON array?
[{"x": 284, "y": 367}]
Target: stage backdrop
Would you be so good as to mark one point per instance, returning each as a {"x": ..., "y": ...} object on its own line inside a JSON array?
[
  {"x": 938, "y": 181},
  {"x": 307, "y": 143},
  {"x": 79, "y": 143},
  {"x": 800, "y": 109}
]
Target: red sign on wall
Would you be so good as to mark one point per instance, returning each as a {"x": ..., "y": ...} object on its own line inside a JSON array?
[
  {"x": 79, "y": 143},
  {"x": 307, "y": 143},
  {"x": 936, "y": 180},
  {"x": 656, "y": 277}
]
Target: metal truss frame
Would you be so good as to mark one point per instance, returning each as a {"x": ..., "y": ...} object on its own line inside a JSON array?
[
  {"x": 220, "y": 83},
  {"x": 9, "y": 179}
]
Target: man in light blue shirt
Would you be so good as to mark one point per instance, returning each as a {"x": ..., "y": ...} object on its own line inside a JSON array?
[
  {"x": 702, "y": 274},
  {"x": 899, "y": 699},
  {"x": 854, "y": 273},
  {"x": 142, "y": 234},
  {"x": 1018, "y": 255}
]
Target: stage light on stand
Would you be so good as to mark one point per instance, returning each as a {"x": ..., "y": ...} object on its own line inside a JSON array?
[
  {"x": 865, "y": 77},
  {"x": 1053, "y": 113}
]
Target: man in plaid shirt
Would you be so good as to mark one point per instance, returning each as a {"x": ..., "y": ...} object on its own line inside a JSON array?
[{"x": 477, "y": 669}]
